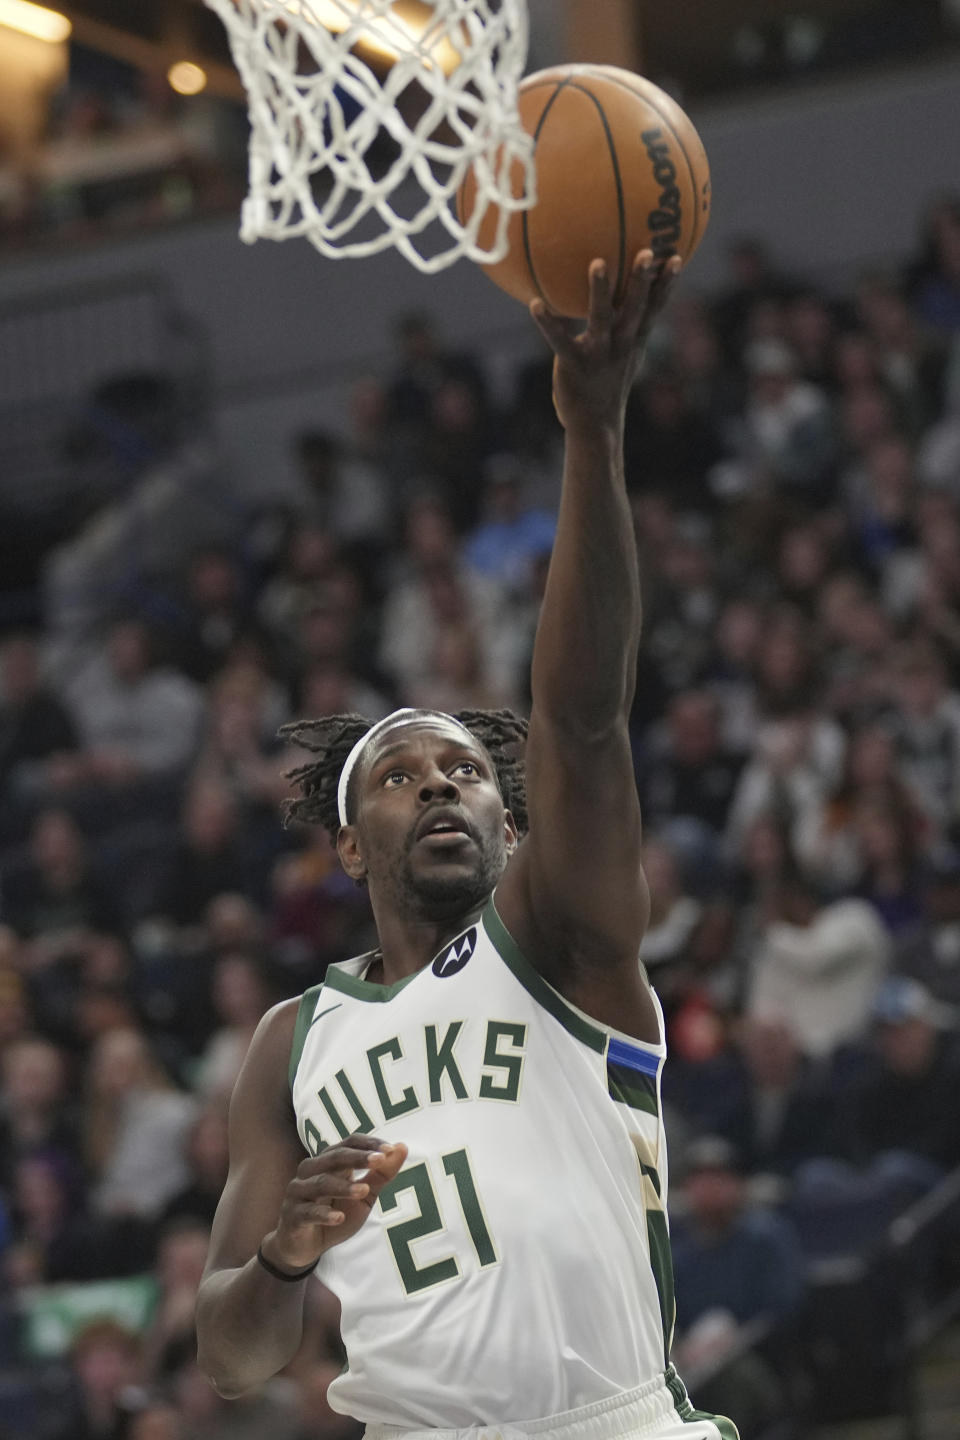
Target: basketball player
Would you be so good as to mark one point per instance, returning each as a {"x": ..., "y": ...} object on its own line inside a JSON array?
[{"x": 479, "y": 1098}]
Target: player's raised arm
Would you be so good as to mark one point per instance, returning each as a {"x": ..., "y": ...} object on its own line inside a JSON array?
[{"x": 575, "y": 896}]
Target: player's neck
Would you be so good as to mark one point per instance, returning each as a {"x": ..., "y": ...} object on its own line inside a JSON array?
[{"x": 408, "y": 943}]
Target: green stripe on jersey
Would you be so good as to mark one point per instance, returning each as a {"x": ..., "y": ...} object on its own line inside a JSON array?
[
  {"x": 725, "y": 1428},
  {"x": 677, "y": 1388},
  {"x": 535, "y": 985},
  {"x": 632, "y": 1088},
  {"x": 359, "y": 989},
  {"x": 308, "y": 1003},
  {"x": 661, "y": 1263},
  {"x": 684, "y": 1408}
]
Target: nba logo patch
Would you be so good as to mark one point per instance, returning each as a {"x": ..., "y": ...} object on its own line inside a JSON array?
[{"x": 452, "y": 960}]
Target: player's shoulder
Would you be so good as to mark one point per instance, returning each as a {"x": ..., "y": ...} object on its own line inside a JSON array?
[{"x": 274, "y": 1034}]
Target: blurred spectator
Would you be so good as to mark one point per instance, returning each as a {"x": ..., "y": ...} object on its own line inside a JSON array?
[
  {"x": 921, "y": 581},
  {"x": 796, "y": 763},
  {"x": 156, "y": 1421},
  {"x": 105, "y": 1360},
  {"x": 329, "y": 688},
  {"x": 810, "y": 330},
  {"x": 457, "y": 444},
  {"x": 241, "y": 753},
  {"x": 912, "y": 364},
  {"x": 817, "y": 967},
  {"x": 730, "y": 676},
  {"x": 210, "y": 617},
  {"x": 785, "y": 441},
  {"x": 210, "y": 854},
  {"x": 421, "y": 368},
  {"x": 347, "y": 495},
  {"x": 240, "y": 996},
  {"x": 727, "y": 1255},
  {"x": 15, "y": 1008},
  {"x": 881, "y": 517},
  {"x": 688, "y": 782},
  {"x": 37, "y": 734},
  {"x": 893, "y": 878},
  {"x": 906, "y": 1099},
  {"x": 181, "y": 1256},
  {"x": 803, "y": 563},
  {"x": 139, "y": 722},
  {"x": 827, "y": 835},
  {"x": 436, "y": 596},
  {"x": 207, "y": 1155},
  {"x": 309, "y": 563},
  {"x": 318, "y": 914},
  {"x": 136, "y": 1128},
  {"x": 511, "y": 535},
  {"x": 53, "y": 893},
  {"x": 934, "y": 277},
  {"x": 782, "y": 1113},
  {"x": 683, "y": 595},
  {"x": 37, "y": 1109},
  {"x": 233, "y": 922},
  {"x": 752, "y": 278},
  {"x": 927, "y": 733},
  {"x": 738, "y": 1270},
  {"x": 56, "y": 1238},
  {"x": 669, "y": 445},
  {"x": 674, "y": 917}
]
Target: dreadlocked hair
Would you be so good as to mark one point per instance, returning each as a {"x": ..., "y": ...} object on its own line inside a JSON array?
[{"x": 330, "y": 740}]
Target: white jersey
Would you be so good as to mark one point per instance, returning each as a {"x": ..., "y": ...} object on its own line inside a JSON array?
[{"x": 518, "y": 1266}]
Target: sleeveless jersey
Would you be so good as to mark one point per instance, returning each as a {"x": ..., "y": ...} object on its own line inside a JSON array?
[{"x": 518, "y": 1266}]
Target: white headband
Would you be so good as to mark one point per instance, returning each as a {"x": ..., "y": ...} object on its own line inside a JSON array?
[{"x": 399, "y": 717}]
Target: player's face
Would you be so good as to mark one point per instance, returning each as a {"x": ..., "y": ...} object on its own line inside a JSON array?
[{"x": 431, "y": 825}]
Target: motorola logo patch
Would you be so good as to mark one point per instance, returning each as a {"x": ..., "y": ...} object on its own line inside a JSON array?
[{"x": 452, "y": 960}]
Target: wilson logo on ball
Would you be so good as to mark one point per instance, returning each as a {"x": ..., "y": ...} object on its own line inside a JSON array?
[{"x": 666, "y": 221}]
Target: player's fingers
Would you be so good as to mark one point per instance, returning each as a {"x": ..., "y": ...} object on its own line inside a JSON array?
[
  {"x": 321, "y": 1214},
  {"x": 385, "y": 1166},
  {"x": 555, "y": 329},
  {"x": 636, "y": 295},
  {"x": 600, "y": 309},
  {"x": 340, "y": 1157},
  {"x": 331, "y": 1183}
]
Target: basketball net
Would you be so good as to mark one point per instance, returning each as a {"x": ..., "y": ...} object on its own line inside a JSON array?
[{"x": 358, "y": 161}]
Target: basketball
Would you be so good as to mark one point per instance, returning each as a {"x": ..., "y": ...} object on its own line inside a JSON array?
[{"x": 620, "y": 168}]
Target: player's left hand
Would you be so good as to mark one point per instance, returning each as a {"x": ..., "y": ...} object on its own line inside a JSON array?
[{"x": 594, "y": 370}]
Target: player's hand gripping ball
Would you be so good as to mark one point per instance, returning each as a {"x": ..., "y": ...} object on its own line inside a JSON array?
[{"x": 620, "y": 169}]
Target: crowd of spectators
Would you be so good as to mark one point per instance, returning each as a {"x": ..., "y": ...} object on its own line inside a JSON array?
[
  {"x": 793, "y": 465},
  {"x": 119, "y": 151}
]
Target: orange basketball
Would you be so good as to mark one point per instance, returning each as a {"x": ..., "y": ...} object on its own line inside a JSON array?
[{"x": 619, "y": 168}]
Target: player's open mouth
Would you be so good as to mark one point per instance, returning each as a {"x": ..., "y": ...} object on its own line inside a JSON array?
[
  {"x": 445, "y": 835},
  {"x": 443, "y": 827}
]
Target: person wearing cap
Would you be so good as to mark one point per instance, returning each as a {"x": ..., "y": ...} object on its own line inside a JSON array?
[
  {"x": 907, "y": 1099},
  {"x": 397, "y": 1127},
  {"x": 729, "y": 1255},
  {"x": 737, "y": 1265}
]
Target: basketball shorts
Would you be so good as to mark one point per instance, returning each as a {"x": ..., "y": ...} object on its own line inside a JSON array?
[{"x": 658, "y": 1410}]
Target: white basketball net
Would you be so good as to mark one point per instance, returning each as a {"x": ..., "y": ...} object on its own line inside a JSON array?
[{"x": 320, "y": 115}]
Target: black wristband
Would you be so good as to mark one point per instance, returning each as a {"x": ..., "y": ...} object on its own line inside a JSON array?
[{"x": 279, "y": 1274}]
